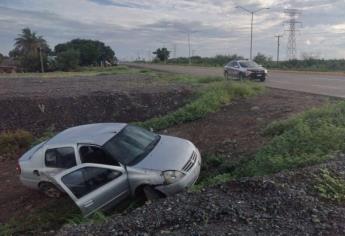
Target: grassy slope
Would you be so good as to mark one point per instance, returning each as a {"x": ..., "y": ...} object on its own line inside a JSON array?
[{"x": 306, "y": 139}]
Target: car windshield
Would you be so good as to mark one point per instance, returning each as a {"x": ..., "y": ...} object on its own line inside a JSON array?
[
  {"x": 248, "y": 64},
  {"x": 131, "y": 145}
]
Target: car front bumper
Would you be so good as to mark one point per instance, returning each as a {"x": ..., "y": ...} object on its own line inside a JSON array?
[{"x": 187, "y": 181}]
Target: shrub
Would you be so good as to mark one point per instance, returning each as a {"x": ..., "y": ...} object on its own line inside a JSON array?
[{"x": 13, "y": 142}]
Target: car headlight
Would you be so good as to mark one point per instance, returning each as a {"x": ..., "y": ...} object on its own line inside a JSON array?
[
  {"x": 266, "y": 71},
  {"x": 171, "y": 176},
  {"x": 248, "y": 73}
]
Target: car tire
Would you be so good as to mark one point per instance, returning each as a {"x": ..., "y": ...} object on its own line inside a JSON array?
[
  {"x": 50, "y": 190},
  {"x": 263, "y": 79},
  {"x": 151, "y": 194}
]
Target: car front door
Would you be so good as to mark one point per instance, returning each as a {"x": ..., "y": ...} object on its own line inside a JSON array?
[{"x": 94, "y": 186}]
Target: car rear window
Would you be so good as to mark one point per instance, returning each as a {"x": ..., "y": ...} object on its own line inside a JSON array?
[{"x": 60, "y": 158}]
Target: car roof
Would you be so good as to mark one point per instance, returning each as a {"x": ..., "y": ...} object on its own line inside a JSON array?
[{"x": 97, "y": 134}]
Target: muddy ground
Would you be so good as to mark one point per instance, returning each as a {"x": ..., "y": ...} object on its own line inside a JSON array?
[{"x": 235, "y": 131}]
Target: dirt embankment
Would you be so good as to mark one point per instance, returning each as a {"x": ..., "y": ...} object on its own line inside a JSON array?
[{"x": 38, "y": 104}]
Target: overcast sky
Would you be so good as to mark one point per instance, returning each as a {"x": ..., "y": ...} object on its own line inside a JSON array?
[{"x": 135, "y": 28}]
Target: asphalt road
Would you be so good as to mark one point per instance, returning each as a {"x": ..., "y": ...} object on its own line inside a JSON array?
[{"x": 330, "y": 84}]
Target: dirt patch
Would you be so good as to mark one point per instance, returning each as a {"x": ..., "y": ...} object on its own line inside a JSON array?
[{"x": 235, "y": 130}]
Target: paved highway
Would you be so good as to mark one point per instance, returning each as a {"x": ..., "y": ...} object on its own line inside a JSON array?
[{"x": 330, "y": 84}]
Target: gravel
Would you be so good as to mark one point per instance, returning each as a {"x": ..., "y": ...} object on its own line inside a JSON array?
[{"x": 282, "y": 204}]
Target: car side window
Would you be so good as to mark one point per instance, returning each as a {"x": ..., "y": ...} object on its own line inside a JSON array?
[
  {"x": 96, "y": 155},
  {"x": 85, "y": 180},
  {"x": 63, "y": 157}
]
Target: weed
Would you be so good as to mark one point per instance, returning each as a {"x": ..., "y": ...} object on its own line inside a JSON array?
[
  {"x": 330, "y": 187},
  {"x": 306, "y": 139},
  {"x": 50, "y": 217},
  {"x": 209, "y": 100},
  {"x": 12, "y": 142}
]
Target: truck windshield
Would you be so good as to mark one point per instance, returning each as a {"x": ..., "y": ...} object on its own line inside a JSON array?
[{"x": 131, "y": 145}]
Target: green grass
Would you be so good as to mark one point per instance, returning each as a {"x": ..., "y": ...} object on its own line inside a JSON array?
[
  {"x": 209, "y": 99},
  {"x": 307, "y": 139},
  {"x": 330, "y": 187}
]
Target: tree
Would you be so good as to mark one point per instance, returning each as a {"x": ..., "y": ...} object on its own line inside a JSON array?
[
  {"x": 92, "y": 52},
  {"x": 67, "y": 60},
  {"x": 162, "y": 54},
  {"x": 262, "y": 59},
  {"x": 28, "y": 46}
]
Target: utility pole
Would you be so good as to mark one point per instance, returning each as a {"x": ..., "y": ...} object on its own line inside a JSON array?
[
  {"x": 251, "y": 26},
  {"x": 175, "y": 50},
  {"x": 190, "y": 59},
  {"x": 278, "y": 47},
  {"x": 41, "y": 59},
  {"x": 292, "y": 23}
]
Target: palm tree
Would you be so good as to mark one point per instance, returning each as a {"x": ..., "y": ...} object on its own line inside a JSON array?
[{"x": 29, "y": 43}]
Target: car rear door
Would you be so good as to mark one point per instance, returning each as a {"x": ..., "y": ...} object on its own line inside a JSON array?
[{"x": 94, "y": 186}]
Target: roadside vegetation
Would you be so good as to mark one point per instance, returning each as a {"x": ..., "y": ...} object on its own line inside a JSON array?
[
  {"x": 209, "y": 99},
  {"x": 307, "y": 139},
  {"x": 330, "y": 187},
  {"x": 11, "y": 143},
  {"x": 307, "y": 63}
]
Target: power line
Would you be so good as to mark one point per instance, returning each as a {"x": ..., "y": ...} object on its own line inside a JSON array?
[{"x": 251, "y": 26}]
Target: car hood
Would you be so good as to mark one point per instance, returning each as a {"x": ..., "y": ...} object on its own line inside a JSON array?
[{"x": 170, "y": 153}]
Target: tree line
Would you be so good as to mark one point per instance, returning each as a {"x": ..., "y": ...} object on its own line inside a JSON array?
[
  {"x": 33, "y": 54},
  {"x": 306, "y": 63}
]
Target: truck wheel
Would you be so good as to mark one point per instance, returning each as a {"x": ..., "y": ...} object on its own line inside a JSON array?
[
  {"x": 50, "y": 190},
  {"x": 152, "y": 194}
]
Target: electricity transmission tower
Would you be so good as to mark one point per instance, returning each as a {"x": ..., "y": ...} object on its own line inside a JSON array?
[{"x": 292, "y": 23}]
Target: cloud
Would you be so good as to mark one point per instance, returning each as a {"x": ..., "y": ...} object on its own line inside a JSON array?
[{"x": 138, "y": 27}]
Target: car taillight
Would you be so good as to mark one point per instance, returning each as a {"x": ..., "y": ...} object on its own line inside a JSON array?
[{"x": 19, "y": 171}]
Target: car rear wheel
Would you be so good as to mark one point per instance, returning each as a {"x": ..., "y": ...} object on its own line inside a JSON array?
[{"x": 50, "y": 190}]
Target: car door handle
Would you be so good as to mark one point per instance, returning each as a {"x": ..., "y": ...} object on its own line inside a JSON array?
[{"x": 88, "y": 203}]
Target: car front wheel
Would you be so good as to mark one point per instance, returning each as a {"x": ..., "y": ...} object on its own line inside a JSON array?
[
  {"x": 152, "y": 194},
  {"x": 50, "y": 190}
]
